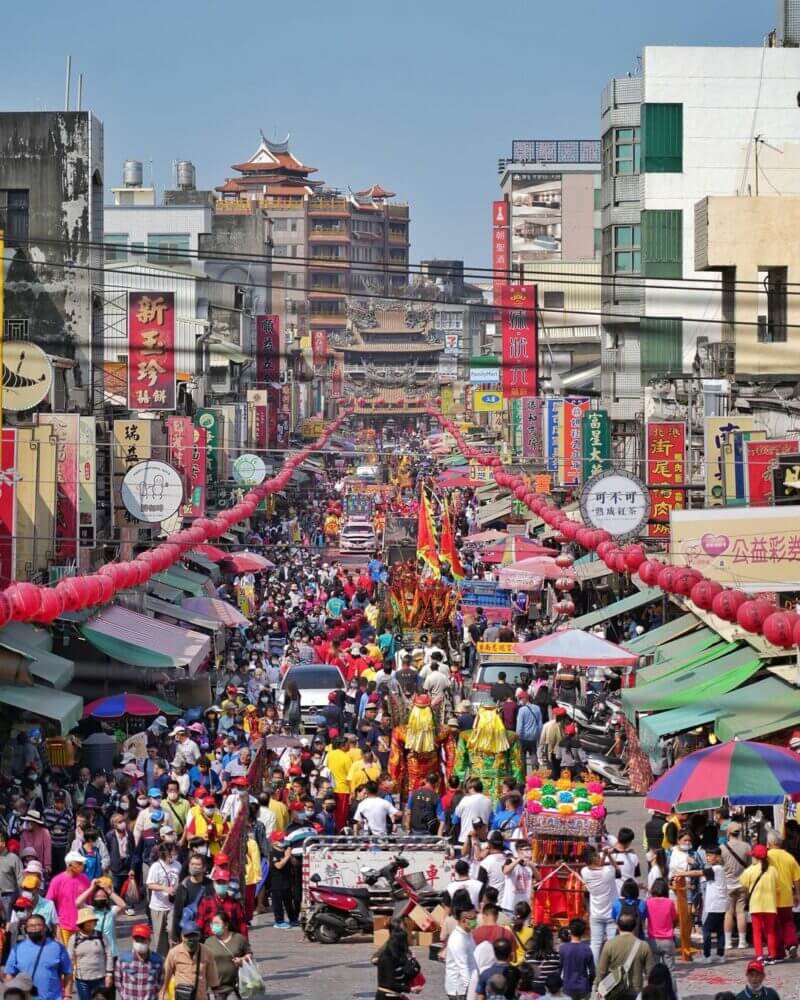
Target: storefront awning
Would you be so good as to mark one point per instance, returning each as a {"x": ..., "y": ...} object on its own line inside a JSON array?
[
  {"x": 693, "y": 685},
  {"x": 622, "y": 607},
  {"x": 694, "y": 642},
  {"x": 164, "y": 591},
  {"x": 685, "y": 661},
  {"x": 142, "y": 641},
  {"x": 63, "y": 708},
  {"x": 590, "y": 568},
  {"x": 757, "y": 710},
  {"x": 32, "y": 643},
  {"x": 174, "y": 579},
  {"x": 192, "y": 576},
  {"x": 643, "y": 644},
  {"x": 182, "y": 614},
  {"x": 208, "y": 566}
]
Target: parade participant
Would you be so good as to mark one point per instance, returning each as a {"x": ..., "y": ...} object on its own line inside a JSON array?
[
  {"x": 419, "y": 748},
  {"x": 222, "y": 899},
  {"x": 227, "y": 948},
  {"x": 489, "y": 752}
]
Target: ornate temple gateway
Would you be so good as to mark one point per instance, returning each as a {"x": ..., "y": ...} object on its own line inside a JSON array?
[{"x": 388, "y": 351}]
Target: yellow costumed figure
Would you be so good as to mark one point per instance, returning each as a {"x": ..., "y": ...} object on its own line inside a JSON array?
[
  {"x": 490, "y": 752},
  {"x": 419, "y": 748}
]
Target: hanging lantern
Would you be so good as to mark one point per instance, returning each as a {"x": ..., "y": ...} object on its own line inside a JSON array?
[
  {"x": 564, "y": 607},
  {"x": 26, "y": 600},
  {"x": 584, "y": 537},
  {"x": 565, "y": 583},
  {"x": 106, "y": 588},
  {"x": 726, "y": 604},
  {"x": 778, "y": 629},
  {"x": 603, "y": 548},
  {"x": 634, "y": 557},
  {"x": 666, "y": 578},
  {"x": 703, "y": 593},
  {"x": 52, "y": 604},
  {"x": 564, "y": 560},
  {"x": 70, "y": 592},
  {"x": 685, "y": 579},
  {"x": 5, "y": 610}
]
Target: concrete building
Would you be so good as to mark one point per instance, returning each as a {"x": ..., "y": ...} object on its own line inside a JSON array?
[
  {"x": 717, "y": 122},
  {"x": 51, "y": 209},
  {"x": 552, "y": 187}
]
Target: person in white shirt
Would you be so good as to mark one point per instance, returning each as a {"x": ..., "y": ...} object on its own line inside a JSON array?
[
  {"x": 715, "y": 903},
  {"x": 461, "y": 880},
  {"x": 185, "y": 748},
  {"x": 625, "y": 857},
  {"x": 491, "y": 868},
  {"x": 373, "y": 812},
  {"x": 460, "y": 955},
  {"x": 518, "y": 877},
  {"x": 474, "y": 805},
  {"x": 436, "y": 683},
  {"x": 162, "y": 881},
  {"x": 599, "y": 875}
]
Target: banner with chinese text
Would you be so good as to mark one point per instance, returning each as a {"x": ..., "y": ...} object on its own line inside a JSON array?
[
  {"x": 532, "y": 428},
  {"x": 570, "y": 443},
  {"x": 211, "y": 422},
  {"x": 596, "y": 443},
  {"x": 717, "y": 431},
  {"x": 500, "y": 247},
  {"x": 87, "y": 482},
  {"x": 65, "y": 429},
  {"x": 151, "y": 350},
  {"x": 8, "y": 486},
  {"x": 319, "y": 346},
  {"x": 268, "y": 349},
  {"x": 759, "y": 458},
  {"x": 132, "y": 444},
  {"x": 665, "y": 458},
  {"x": 520, "y": 352}
]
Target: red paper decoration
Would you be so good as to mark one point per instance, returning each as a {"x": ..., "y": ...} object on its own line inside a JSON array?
[
  {"x": 778, "y": 628},
  {"x": 703, "y": 593}
]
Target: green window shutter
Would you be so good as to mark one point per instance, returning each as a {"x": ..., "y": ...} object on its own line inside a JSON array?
[
  {"x": 662, "y": 138},
  {"x": 660, "y": 346},
  {"x": 662, "y": 243}
]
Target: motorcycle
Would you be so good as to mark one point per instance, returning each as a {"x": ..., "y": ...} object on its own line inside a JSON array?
[{"x": 612, "y": 770}]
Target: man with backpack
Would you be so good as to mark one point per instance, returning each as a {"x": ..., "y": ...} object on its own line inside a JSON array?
[
  {"x": 626, "y": 959},
  {"x": 422, "y": 813},
  {"x": 188, "y": 894}
]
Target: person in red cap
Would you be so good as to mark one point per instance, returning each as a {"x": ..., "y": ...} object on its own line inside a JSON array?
[
  {"x": 223, "y": 899},
  {"x": 755, "y": 989},
  {"x": 139, "y": 973},
  {"x": 760, "y": 881}
]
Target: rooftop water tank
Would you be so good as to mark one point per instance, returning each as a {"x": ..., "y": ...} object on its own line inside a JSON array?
[
  {"x": 185, "y": 175},
  {"x": 132, "y": 174}
]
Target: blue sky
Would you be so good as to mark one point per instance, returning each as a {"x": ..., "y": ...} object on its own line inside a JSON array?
[{"x": 422, "y": 97}]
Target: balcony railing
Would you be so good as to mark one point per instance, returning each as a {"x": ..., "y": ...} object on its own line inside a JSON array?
[
  {"x": 324, "y": 206},
  {"x": 398, "y": 237},
  {"x": 319, "y": 232},
  {"x": 339, "y": 318}
]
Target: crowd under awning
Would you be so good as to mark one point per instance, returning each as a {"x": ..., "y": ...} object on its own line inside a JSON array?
[
  {"x": 693, "y": 684},
  {"x": 34, "y": 645},
  {"x": 47, "y": 703},
  {"x": 621, "y": 607},
  {"x": 141, "y": 641}
]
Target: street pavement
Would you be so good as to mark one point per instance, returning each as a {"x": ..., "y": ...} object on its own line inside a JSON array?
[{"x": 294, "y": 967}]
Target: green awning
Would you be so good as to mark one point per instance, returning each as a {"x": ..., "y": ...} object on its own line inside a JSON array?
[
  {"x": 590, "y": 567},
  {"x": 452, "y": 461},
  {"x": 27, "y": 641},
  {"x": 618, "y": 608},
  {"x": 65, "y": 709},
  {"x": 201, "y": 579},
  {"x": 209, "y": 568},
  {"x": 757, "y": 710},
  {"x": 695, "y": 684},
  {"x": 127, "y": 652},
  {"x": 694, "y": 642},
  {"x": 164, "y": 592},
  {"x": 677, "y": 664},
  {"x": 678, "y": 720},
  {"x": 653, "y": 639},
  {"x": 182, "y": 614},
  {"x": 173, "y": 579}
]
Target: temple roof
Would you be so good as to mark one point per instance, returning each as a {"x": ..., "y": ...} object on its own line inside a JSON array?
[
  {"x": 375, "y": 191},
  {"x": 270, "y": 157},
  {"x": 407, "y": 346}
]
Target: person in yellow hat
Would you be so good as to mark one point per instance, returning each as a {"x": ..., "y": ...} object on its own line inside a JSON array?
[{"x": 92, "y": 961}]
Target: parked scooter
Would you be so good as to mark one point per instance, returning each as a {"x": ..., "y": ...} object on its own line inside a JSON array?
[{"x": 610, "y": 770}]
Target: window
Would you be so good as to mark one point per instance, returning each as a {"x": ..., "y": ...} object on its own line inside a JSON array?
[
  {"x": 449, "y": 321},
  {"x": 167, "y": 248},
  {"x": 279, "y": 225},
  {"x": 280, "y": 250},
  {"x": 598, "y": 241},
  {"x": 116, "y": 246},
  {"x": 598, "y": 199},
  {"x": 362, "y": 254},
  {"x": 662, "y": 243},
  {"x": 627, "y": 250},
  {"x": 626, "y": 151},
  {"x": 772, "y": 305},
  {"x": 552, "y": 300},
  {"x": 137, "y": 248},
  {"x": 662, "y": 138},
  {"x": 293, "y": 226},
  {"x": 14, "y": 209}
]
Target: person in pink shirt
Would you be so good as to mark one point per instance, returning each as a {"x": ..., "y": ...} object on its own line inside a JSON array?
[
  {"x": 64, "y": 891},
  {"x": 662, "y": 916}
]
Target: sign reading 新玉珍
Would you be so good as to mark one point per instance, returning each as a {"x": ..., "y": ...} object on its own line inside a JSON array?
[{"x": 616, "y": 502}]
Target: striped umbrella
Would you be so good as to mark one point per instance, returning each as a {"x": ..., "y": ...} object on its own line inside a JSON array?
[
  {"x": 743, "y": 773},
  {"x": 117, "y": 705}
]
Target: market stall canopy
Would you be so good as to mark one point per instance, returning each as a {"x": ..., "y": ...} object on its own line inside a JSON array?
[
  {"x": 163, "y": 591},
  {"x": 205, "y": 565},
  {"x": 117, "y": 705},
  {"x": 34, "y": 645},
  {"x": 622, "y": 607},
  {"x": 141, "y": 641},
  {"x": 691, "y": 642},
  {"x": 181, "y": 614},
  {"x": 513, "y": 549},
  {"x": 172, "y": 578},
  {"x": 192, "y": 576},
  {"x": 59, "y": 706},
  {"x": 655, "y": 637},
  {"x": 573, "y": 646},
  {"x": 528, "y": 574},
  {"x": 210, "y": 552},
  {"x": 246, "y": 562},
  {"x": 740, "y": 772},
  {"x": 490, "y": 536},
  {"x": 590, "y": 567},
  {"x": 683, "y": 661},
  {"x": 219, "y": 610},
  {"x": 693, "y": 684}
]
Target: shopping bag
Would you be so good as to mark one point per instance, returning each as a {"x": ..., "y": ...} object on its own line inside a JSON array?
[
  {"x": 251, "y": 985},
  {"x": 130, "y": 892}
]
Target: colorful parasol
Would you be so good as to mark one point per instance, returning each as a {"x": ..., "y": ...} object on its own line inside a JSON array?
[
  {"x": 216, "y": 609},
  {"x": 577, "y": 647},
  {"x": 515, "y": 548},
  {"x": 246, "y": 562},
  {"x": 483, "y": 537},
  {"x": 117, "y": 705},
  {"x": 210, "y": 552},
  {"x": 528, "y": 574},
  {"x": 743, "y": 773}
]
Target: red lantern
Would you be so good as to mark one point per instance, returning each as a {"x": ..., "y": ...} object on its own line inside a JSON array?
[
  {"x": 51, "y": 607},
  {"x": 5, "y": 609},
  {"x": 70, "y": 592},
  {"x": 648, "y": 571},
  {"x": 565, "y": 583},
  {"x": 143, "y": 572},
  {"x": 520, "y": 492},
  {"x": 634, "y": 557},
  {"x": 726, "y": 604},
  {"x": 619, "y": 561},
  {"x": 703, "y": 593},
  {"x": 685, "y": 579},
  {"x": 106, "y": 588},
  {"x": 749, "y": 616},
  {"x": 666, "y": 579},
  {"x": 603, "y": 548},
  {"x": 778, "y": 628},
  {"x": 584, "y": 537},
  {"x": 565, "y": 608},
  {"x": 26, "y": 600},
  {"x": 564, "y": 560}
]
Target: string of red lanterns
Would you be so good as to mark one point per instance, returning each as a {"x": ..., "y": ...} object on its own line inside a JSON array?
[
  {"x": 29, "y": 602},
  {"x": 754, "y": 615}
]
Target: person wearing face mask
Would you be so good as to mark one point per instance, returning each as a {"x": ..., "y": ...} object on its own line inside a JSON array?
[
  {"x": 10, "y": 874},
  {"x": 202, "y": 775},
  {"x": 64, "y": 891},
  {"x": 31, "y": 886},
  {"x": 176, "y": 807},
  {"x": 460, "y": 961},
  {"x": 121, "y": 850},
  {"x": 106, "y": 905},
  {"x": 190, "y": 966},
  {"x": 223, "y": 899},
  {"x": 139, "y": 973},
  {"x": 236, "y": 799},
  {"x": 36, "y": 835},
  {"x": 205, "y": 820},
  {"x": 42, "y": 958},
  {"x": 191, "y": 889},
  {"x": 227, "y": 949},
  {"x": 143, "y": 819},
  {"x": 92, "y": 961},
  {"x": 162, "y": 882}
]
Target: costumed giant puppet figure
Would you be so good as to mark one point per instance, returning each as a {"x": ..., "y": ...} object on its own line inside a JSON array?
[
  {"x": 490, "y": 752},
  {"x": 420, "y": 747}
]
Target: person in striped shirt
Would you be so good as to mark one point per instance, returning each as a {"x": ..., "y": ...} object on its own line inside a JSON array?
[{"x": 60, "y": 821}]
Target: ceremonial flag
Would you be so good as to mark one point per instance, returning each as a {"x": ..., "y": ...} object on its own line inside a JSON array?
[
  {"x": 447, "y": 545},
  {"x": 426, "y": 536}
]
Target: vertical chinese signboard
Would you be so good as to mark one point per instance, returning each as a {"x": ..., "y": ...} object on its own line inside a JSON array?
[
  {"x": 65, "y": 429},
  {"x": 211, "y": 422},
  {"x": 132, "y": 444},
  {"x": 520, "y": 342},
  {"x": 596, "y": 443},
  {"x": 760, "y": 457},
  {"x": 666, "y": 472},
  {"x": 268, "y": 349},
  {"x": 8, "y": 489},
  {"x": 186, "y": 445},
  {"x": 500, "y": 244},
  {"x": 554, "y": 416},
  {"x": 151, "y": 350},
  {"x": 87, "y": 482},
  {"x": 717, "y": 435},
  {"x": 570, "y": 443},
  {"x": 532, "y": 428},
  {"x": 319, "y": 347}
]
